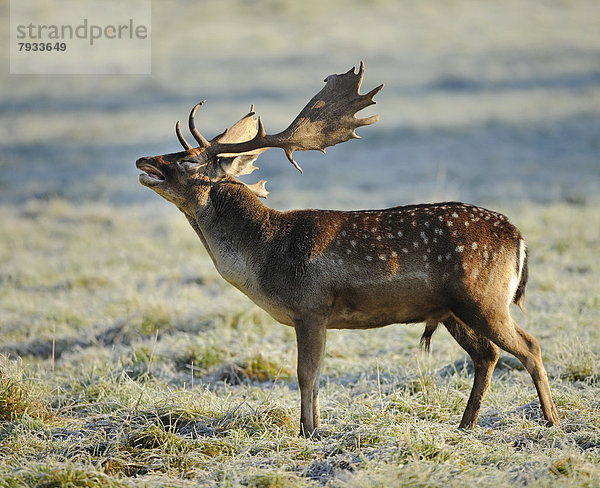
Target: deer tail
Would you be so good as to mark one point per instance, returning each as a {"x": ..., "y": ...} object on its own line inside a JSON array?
[{"x": 523, "y": 274}]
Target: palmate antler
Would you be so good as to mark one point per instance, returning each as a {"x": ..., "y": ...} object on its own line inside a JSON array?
[{"x": 328, "y": 119}]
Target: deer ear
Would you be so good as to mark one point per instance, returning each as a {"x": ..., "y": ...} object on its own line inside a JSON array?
[
  {"x": 236, "y": 166},
  {"x": 239, "y": 165}
]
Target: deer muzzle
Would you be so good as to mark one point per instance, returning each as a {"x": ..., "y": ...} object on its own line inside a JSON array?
[{"x": 152, "y": 175}]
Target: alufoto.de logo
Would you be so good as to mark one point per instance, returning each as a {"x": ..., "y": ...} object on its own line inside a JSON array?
[{"x": 84, "y": 30}]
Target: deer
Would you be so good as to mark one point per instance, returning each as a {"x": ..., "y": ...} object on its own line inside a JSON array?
[{"x": 451, "y": 263}]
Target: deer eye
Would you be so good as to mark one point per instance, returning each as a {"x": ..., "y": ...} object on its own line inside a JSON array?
[{"x": 187, "y": 164}]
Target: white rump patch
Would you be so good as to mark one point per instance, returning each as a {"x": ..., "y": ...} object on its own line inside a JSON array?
[{"x": 516, "y": 277}]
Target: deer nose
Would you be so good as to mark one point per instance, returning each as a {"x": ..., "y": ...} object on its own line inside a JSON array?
[{"x": 141, "y": 161}]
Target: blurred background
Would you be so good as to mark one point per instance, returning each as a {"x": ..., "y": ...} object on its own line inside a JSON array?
[{"x": 488, "y": 102}]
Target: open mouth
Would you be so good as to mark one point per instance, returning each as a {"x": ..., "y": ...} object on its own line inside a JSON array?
[{"x": 151, "y": 175}]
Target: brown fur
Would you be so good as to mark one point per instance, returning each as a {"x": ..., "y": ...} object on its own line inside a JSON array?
[{"x": 319, "y": 269}]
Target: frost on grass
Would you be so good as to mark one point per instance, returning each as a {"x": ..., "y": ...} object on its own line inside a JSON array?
[{"x": 168, "y": 376}]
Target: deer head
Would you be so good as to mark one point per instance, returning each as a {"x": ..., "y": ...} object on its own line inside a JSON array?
[{"x": 327, "y": 119}]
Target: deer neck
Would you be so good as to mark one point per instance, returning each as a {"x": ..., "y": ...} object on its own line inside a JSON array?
[{"x": 234, "y": 226}]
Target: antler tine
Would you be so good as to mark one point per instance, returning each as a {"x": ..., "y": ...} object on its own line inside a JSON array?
[
  {"x": 186, "y": 145},
  {"x": 366, "y": 101},
  {"x": 358, "y": 77},
  {"x": 199, "y": 137},
  {"x": 261, "y": 129}
]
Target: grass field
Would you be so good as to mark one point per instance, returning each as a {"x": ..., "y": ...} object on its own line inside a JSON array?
[
  {"x": 125, "y": 359},
  {"x": 141, "y": 367}
]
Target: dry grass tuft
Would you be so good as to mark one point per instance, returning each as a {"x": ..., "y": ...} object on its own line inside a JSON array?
[{"x": 16, "y": 398}]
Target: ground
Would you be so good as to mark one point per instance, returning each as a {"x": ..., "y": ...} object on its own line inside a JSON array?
[{"x": 142, "y": 367}]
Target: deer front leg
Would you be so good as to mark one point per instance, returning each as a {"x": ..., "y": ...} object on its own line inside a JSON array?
[{"x": 310, "y": 337}]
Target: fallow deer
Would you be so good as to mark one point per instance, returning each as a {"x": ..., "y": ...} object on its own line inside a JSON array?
[{"x": 314, "y": 270}]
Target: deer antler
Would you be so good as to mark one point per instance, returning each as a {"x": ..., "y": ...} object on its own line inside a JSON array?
[{"x": 328, "y": 119}]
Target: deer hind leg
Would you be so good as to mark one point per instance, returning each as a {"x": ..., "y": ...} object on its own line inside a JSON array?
[
  {"x": 527, "y": 349},
  {"x": 484, "y": 354},
  {"x": 506, "y": 334},
  {"x": 311, "y": 349}
]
